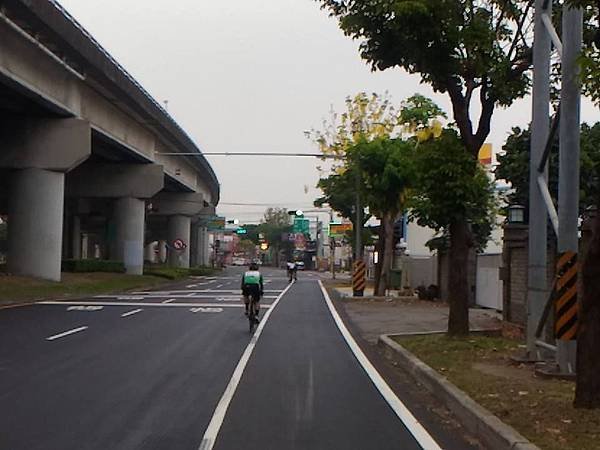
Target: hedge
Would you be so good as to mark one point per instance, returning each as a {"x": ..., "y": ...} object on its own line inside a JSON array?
[{"x": 92, "y": 265}]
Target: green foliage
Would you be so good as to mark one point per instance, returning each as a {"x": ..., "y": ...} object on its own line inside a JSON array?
[
  {"x": 451, "y": 186},
  {"x": 457, "y": 47},
  {"x": 514, "y": 166},
  {"x": 339, "y": 192},
  {"x": 387, "y": 172},
  {"x": 176, "y": 273},
  {"x": 92, "y": 265}
]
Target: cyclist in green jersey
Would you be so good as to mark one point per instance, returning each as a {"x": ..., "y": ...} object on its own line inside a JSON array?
[{"x": 252, "y": 286}]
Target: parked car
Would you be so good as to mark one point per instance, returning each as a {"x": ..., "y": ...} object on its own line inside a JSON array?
[
  {"x": 300, "y": 265},
  {"x": 238, "y": 262}
]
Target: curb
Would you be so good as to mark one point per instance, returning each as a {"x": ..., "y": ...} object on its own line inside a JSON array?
[{"x": 490, "y": 430}]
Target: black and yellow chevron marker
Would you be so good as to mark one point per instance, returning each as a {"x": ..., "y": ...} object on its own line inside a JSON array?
[
  {"x": 359, "y": 278},
  {"x": 566, "y": 297}
]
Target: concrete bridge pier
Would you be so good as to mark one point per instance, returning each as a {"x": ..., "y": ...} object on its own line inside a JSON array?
[
  {"x": 129, "y": 214},
  {"x": 129, "y": 185},
  {"x": 35, "y": 220},
  {"x": 179, "y": 207},
  {"x": 39, "y": 152},
  {"x": 179, "y": 227}
]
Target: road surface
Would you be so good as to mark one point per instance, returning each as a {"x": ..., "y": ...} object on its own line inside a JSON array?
[{"x": 178, "y": 369}]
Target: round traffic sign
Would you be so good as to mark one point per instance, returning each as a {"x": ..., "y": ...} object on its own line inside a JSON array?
[{"x": 178, "y": 244}]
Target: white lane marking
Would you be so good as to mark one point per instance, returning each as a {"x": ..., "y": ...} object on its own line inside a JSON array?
[
  {"x": 212, "y": 431},
  {"x": 207, "y": 310},
  {"x": 66, "y": 333},
  {"x": 158, "y": 305},
  {"x": 171, "y": 300},
  {"x": 187, "y": 291},
  {"x": 191, "y": 286},
  {"x": 218, "y": 286},
  {"x": 410, "y": 422},
  {"x": 85, "y": 308},
  {"x": 132, "y": 312},
  {"x": 124, "y": 297}
]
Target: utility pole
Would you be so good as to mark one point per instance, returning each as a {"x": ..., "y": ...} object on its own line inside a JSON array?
[
  {"x": 568, "y": 184},
  {"x": 359, "y": 218},
  {"x": 537, "y": 286}
]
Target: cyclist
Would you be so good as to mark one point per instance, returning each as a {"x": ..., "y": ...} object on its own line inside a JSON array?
[
  {"x": 292, "y": 269},
  {"x": 252, "y": 287}
]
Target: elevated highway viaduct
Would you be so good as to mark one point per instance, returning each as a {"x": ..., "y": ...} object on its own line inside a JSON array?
[{"x": 82, "y": 170}]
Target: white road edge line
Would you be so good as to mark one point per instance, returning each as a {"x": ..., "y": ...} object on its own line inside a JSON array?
[
  {"x": 66, "y": 333},
  {"x": 410, "y": 422},
  {"x": 212, "y": 431},
  {"x": 131, "y": 313}
]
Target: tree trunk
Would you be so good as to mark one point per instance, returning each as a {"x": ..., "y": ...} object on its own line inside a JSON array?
[
  {"x": 388, "y": 253},
  {"x": 380, "y": 251},
  {"x": 587, "y": 391},
  {"x": 458, "y": 285}
]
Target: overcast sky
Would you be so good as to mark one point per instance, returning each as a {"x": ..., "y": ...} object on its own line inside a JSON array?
[{"x": 252, "y": 75}]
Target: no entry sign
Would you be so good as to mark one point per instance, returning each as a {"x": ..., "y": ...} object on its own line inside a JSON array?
[{"x": 178, "y": 244}]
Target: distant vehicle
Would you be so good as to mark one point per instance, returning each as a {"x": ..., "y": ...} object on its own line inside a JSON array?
[
  {"x": 258, "y": 262},
  {"x": 300, "y": 265},
  {"x": 238, "y": 262}
]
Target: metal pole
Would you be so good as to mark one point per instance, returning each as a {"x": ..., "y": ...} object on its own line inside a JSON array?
[
  {"x": 568, "y": 180},
  {"x": 358, "y": 234},
  {"x": 537, "y": 289}
]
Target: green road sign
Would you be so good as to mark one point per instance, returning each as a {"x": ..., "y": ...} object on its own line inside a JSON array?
[{"x": 301, "y": 225}]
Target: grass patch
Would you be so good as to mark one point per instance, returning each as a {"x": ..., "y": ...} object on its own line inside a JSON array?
[
  {"x": 540, "y": 409},
  {"x": 15, "y": 289}
]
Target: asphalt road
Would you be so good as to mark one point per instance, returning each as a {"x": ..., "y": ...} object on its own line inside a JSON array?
[{"x": 177, "y": 369}]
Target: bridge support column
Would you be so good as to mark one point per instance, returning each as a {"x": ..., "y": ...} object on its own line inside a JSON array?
[
  {"x": 76, "y": 237},
  {"x": 129, "y": 216},
  {"x": 162, "y": 252},
  {"x": 39, "y": 152},
  {"x": 35, "y": 223},
  {"x": 179, "y": 227}
]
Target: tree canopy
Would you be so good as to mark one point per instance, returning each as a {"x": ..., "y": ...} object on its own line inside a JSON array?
[
  {"x": 459, "y": 47},
  {"x": 452, "y": 186},
  {"x": 514, "y": 166}
]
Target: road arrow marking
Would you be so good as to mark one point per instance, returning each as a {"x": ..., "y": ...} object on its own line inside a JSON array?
[
  {"x": 206, "y": 310},
  {"x": 85, "y": 308}
]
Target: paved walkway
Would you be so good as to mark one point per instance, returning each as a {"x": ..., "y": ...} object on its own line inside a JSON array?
[{"x": 373, "y": 318}]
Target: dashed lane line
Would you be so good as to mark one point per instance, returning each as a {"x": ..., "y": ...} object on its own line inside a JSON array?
[
  {"x": 66, "y": 333},
  {"x": 170, "y": 300},
  {"x": 132, "y": 312}
]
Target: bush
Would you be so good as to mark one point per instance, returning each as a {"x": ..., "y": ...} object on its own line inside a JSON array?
[
  {"x": 175, "y": 273},
  {"x": 92, "y": 265}
]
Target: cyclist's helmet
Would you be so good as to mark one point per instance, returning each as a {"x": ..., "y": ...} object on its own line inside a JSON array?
[{"x": 253, "y": 266}]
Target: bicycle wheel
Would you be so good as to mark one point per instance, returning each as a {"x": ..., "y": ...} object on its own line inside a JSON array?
[{"x": 251, "y": 319}]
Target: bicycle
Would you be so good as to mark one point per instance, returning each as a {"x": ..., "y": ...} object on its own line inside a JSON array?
[
  {"x": 252, "y": 313},
  {"x": 292, "y": 274}
]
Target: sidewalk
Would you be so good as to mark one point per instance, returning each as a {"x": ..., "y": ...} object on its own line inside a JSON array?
[{"x": 374, "y": 318}]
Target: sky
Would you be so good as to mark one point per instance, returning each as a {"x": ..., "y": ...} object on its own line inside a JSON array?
[{"x": 253, "y": 76}]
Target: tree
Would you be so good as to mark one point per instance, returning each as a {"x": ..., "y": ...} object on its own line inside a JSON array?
[
  {"x": 386, "y": 168},
  {"x": 463, "y": 48},
  {"x": 514, "y": 166},
  {"x": 275, "y": 222},
  {"x": 451, "y": 190},
  {"x": 367, "y": 117}
]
